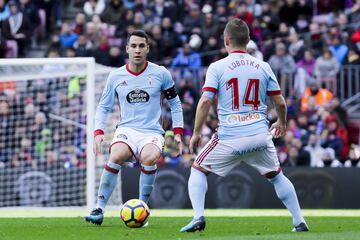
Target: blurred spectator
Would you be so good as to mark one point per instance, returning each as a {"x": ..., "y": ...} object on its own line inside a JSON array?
[
  {"x": 315, "y": 150},
  {"x": 320, "y": 96},
  {"x": 289, "y": 12},
  {"x": 24, "y": 155},
  {"x": 186, "y": 57},
  {"x": 328, "y": 159},
  {"x": 43, "y": 145},
  {"x": 282, "y": 62},
  {"x": 67, "y": 36},
  {"x": 307, "y": 62},
  {"x": 253, "y": 50},
  {"x": 101, "y": 53},
  {"x": 28, "y": 8},
  {"x": 54, "y": 13},
  {"x": 192, "y": 19},
  {"x": 339, "y": 112},
  {"x": 315, "y": 40},
  {"x": 116, "y": 57},
  {"x": 189, "y": 98},
  {"x": 54, "y": 45},
  {"x": 209, "y": 26},
  {"x": 243, "y": 13},
  {"x": 303, "y": 158},
  {"x": 326, "y": 68},
  {"x": 4, "y": 11},
  {"x": 126, "y": 20},
  {"x": 171, "y": 153},
  {"x": 113, "y": 12},
  {"x": 17, "y": 27},
  {"x": 336, "y": 133},
  {"x": 291, "y": 158},
  {"x": 296, "y": 47},
  {"x": 80, "y": 24},
  {"x": 338, "y": 49},
  {"x": 305, "y": 73},
  {"x": 162, "y": 10},
  {"x": 83, "y": 47},
  {"x": 139, "y": 20},
  {"x": 354, "y": 157},
  {"x": 92, "y": 7}
]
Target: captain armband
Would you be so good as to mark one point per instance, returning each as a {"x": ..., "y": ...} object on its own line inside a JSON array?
[{"x": 170, "y": 93}]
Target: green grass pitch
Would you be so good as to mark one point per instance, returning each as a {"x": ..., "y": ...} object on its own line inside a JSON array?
[{"x": 165, "y": 224}]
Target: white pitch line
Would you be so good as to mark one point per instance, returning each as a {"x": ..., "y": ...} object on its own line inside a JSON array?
[{"x": 76, "y": 212}]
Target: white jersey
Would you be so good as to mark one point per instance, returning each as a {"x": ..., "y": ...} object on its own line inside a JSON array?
[{"x": 242, "y": 84}]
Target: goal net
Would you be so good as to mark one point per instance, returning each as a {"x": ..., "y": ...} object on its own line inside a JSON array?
[{"x": 47, "y": 109}]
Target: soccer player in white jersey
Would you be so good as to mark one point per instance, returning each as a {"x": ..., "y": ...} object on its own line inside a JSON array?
[
  {"x": 137, "y": 86},
  {"x": 242, "y": 84}
]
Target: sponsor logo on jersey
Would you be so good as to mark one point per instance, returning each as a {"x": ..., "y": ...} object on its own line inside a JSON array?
[
  {"x": 254, "y": 149},
  {"x": 233, "y": 119},
  {"x": 137, "y": 96},
  {"x": 123, "y": 136}
]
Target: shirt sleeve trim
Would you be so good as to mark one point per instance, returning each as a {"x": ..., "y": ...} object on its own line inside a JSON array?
[
  {"x": 272, "y": 93},
  {"x": 209, "y": 89}
]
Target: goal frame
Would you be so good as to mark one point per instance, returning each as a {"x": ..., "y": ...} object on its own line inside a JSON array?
[{"x": 89, "y": 72}]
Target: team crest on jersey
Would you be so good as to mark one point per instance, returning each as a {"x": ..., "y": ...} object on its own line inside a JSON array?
[
  {"x": 150, "y": 80},
  {"x": 137, "y": 96}
]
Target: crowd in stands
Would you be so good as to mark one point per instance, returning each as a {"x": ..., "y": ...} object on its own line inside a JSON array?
[{"x": 309, "y": 41}]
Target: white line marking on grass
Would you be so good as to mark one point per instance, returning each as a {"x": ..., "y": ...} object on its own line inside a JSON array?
[{"x": 81, "y": 212}]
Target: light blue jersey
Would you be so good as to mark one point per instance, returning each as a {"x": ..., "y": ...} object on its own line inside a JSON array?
[
  {"x": 242, "y": 84},
  {"x": 139, "y": 98}
]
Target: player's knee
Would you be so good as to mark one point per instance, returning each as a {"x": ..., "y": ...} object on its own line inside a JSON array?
[
  {"x": 150, "y": 159},
  {"x": 119, "y": 156},
  {"x": 272, "y": 174},
  {"x": 197, "y": 167}
]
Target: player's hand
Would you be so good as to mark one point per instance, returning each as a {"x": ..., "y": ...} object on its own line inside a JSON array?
[
  {"x": 278, "y": 129},
  {"x": 178, "y": 140},
  {"x": 194, "y": 142},
  {"x": 98, "y": 139}
]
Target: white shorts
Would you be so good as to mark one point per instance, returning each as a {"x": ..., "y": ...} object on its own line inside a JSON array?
[
  {"x": 136, "y": 140},
  {"x": 220, "y": 156}
]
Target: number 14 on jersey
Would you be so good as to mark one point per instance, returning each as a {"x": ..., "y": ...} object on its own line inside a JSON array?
[{"x": 251, "y": 96}]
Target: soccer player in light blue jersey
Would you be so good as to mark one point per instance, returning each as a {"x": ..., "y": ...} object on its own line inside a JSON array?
[
  {"x": 242, "y": 84},
  {"x": 137, "y": 86}
]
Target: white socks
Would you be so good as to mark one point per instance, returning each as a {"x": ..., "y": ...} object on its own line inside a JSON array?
[
  {"x": 197, "y": 186},
  {"x": 286, "y": 193}
]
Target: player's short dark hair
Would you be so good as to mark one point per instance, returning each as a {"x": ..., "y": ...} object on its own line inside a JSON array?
[
  {"x": 238, "y": 32},
  {"x": 139, "y": 33}
]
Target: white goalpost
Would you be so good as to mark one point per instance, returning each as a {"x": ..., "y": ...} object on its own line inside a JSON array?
[{"x": 47, "y": 110}]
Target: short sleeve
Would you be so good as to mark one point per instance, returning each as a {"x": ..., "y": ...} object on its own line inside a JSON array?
[
  {"x": 273, "y": 87},
  {"x": 211, "y": 80},
  {"x": 167, "y": 82}
]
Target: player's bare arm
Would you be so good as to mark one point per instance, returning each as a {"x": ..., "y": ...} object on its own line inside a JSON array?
[
  {"x": 178, "y": 140},
  {"x": 202, "y": 111},
  {"x": 279, "y": 127},
  {"x": 97, "y": 144}
]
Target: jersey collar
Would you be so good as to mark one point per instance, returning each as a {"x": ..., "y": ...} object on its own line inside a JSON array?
[
  {"x": 238, "y": 51},
  {"x": 138, "y": 73}
]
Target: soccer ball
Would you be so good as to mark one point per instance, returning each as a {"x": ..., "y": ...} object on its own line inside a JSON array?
[{"x": 134, "y": 213}]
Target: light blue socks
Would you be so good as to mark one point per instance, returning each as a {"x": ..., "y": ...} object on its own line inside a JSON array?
[
  {"x": 107, "y": 184},
  {"x": 146, "y": 183}
]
